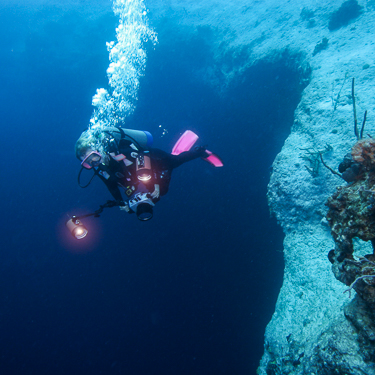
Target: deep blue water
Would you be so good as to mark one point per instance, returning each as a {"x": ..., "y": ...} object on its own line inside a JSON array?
[{"x": 189, "y": 292}]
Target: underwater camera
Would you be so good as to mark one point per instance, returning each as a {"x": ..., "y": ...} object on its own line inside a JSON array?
[{"x": 142, "y": 205}]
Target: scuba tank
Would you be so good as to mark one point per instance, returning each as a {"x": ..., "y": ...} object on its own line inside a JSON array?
[{"x": 141, "y": 139}]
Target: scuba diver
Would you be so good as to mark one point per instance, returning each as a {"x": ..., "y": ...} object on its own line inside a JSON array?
[{"x": 136, "y": 174}]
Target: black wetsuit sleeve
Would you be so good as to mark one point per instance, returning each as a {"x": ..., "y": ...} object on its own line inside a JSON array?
[{"x": 113, "y": 188}]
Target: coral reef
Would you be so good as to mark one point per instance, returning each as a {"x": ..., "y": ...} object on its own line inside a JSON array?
[
  {"x": 352, "y": 215},
  {"x": 364, "y": 152},
  {"x": 338, "y": 350}
]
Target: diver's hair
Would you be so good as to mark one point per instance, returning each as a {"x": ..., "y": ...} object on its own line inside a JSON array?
[
  {"x": 95, "y": 139},
  {"x": 86, "y": 141}
]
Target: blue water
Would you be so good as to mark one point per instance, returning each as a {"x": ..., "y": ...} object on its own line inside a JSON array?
[{"x": 189, "y": 292}]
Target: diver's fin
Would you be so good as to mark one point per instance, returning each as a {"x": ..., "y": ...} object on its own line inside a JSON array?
[
  {"x": 213, "y": 159},
  {"x": 185, "y": 142}
]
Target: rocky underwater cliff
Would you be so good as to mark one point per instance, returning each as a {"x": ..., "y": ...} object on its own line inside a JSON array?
[{"x": 317, "y": 328}]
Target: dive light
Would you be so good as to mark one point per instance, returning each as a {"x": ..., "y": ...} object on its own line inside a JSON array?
[
  {"x": 141, "y": 204},
  {"x": 143, "y": 168},
  {"x": 76, "y": 228}
]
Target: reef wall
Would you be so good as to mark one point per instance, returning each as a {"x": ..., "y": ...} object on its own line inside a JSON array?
[{"x": 309, "y": 332}]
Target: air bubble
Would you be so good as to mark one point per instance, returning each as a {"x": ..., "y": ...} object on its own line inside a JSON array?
[{"x": 127, "y": 64}]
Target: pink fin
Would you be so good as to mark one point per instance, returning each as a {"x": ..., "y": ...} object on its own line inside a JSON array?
[
  {"x": 185, "y": 142},
  {"x": 213, "y": 159}
]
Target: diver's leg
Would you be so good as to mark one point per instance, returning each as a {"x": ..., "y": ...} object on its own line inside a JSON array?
[{"x": 169, "y": 161}]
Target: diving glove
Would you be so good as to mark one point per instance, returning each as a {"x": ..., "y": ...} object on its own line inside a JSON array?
[{"x": 126, "y": 208}]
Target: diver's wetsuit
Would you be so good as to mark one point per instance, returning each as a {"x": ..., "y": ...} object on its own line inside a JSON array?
[
  {"x": 116, "y": 174},
  {"x": 164, "y": 163}
]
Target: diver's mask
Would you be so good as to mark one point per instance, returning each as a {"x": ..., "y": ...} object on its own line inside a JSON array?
[{"x": 92, "y": 160}]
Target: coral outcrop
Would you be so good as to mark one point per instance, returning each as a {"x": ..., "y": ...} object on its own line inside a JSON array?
[{"x": 352, "y": 215}]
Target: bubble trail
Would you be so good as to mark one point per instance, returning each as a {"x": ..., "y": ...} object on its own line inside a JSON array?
[{"x": 127, "y": 58}]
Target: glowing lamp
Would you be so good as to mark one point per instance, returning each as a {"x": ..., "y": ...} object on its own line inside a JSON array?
[
  {"x": 76, "y": 228},
  {"x": 143, "y": 168}
]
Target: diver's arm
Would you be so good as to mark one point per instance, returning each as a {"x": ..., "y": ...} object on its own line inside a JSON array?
[
  {"x": 113, "y": 189},
  {"x": 116, "y": 193}
]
